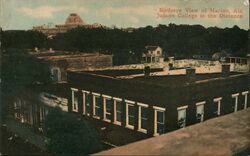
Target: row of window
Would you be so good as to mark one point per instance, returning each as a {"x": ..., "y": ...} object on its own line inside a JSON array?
[
  {"x": 113, "y": 105},
  {"x": 28, "y": 113},
  {"x": 242, "y": 61},
  {"x": 201, "y": 105}
]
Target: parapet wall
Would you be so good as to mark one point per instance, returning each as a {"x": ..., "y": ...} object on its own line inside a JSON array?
[{"x": 227, "y": 135}]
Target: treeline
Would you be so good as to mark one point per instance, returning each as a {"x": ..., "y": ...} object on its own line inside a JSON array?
[{"x": 176, "y": 40}]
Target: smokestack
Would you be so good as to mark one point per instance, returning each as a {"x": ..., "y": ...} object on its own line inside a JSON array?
[
  {"x": 147, "y": 71},
  {"x": 225, "y": 70}
]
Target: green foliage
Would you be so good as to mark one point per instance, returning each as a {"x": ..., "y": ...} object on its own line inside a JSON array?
[
  {"x": 23, "y": 39},
  {"x": 70, "y": 135},
  {"x": 20, "y": 68},
  {"x": 176, "y": 40}
]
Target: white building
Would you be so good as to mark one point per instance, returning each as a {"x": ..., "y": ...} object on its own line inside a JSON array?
[{"x": 152, "y": 54}]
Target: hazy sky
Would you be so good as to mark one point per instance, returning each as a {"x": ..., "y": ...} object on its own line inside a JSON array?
[{"x": 24, "y": 14}]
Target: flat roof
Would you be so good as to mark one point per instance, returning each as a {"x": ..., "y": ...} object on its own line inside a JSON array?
[
  {"x": 47, "y": 54},
  {"x": 137, "y": 75},
  {"x": 225, "y": 135}
]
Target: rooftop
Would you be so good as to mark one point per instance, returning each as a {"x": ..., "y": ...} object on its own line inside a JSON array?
[
  {"x": 137, "y": 75},
  {"x": 56, "y": 54},
  {"x": 151, "y": 48},
  {"x": 226, "y": 135},
  {"x": 74, "y": 19}
]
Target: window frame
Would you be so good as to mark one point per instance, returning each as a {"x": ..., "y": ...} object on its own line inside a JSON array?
[
  {"x": 115, "y": 111},
  {"x": 218, "y": 102},
  {"x": 156, "y": 110},
  {"x": 73, "y": 91},
  {"x": 84, "y": 107},
  {"x": 106, "y": 97},
  {"x": 236, "y": 101},
  {"x": 129, "y": 103},
  {"x": 95, "y": 95},
  {"x": 140, "y": 105},
  {"x": 202, "y": 103},
  {"x": 245, "y": 93},
  {"x": 185, "y": 119}
]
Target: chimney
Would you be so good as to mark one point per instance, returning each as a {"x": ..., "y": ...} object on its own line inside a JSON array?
[
  {"x": 171, "y": 60},
  {"x": 190, "y": 75},
  {"x": 36, "y": 49},
  {"x": 147, "y": 71},
  {"x": 225, "y": 70},
  {"x": 51, "y": 50}
]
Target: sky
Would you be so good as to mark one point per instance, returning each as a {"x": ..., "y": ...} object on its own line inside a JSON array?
[{"x": 24, "y": 14}]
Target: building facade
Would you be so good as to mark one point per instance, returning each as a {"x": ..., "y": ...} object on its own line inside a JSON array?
[
  {"x": 239, "y": 63},
  {"x": 132, "y": 105},
  {"x": 154, "y": 105},
  {"x": 61, "y": 61},
  {"x": 32, "y": 105}
]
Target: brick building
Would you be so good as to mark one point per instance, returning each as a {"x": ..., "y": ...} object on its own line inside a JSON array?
[
  {"x": 142, "y": 106},
  {"x": 61, "y": 61},
  {"x": 128, "y": 105}
]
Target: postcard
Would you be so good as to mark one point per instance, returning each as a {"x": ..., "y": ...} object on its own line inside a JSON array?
[{"x": 134, "y": 77}]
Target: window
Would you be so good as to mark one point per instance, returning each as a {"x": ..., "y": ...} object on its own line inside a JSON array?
[
  {"x": 232, "y": 60},
  {"x": 244, "y": 61},
  {"x": 74, "y": 99},
  {"x": 86, "y": 102},
  {"x": 130, "y": 112},
  {"x": 46, "y": 112},
  {"x": 182, "y": 116},
  {"x": 117, "y": 110},
  {"x": 235, "y": 105},
  {"x": 144, "y": 59},
  {"x": 200, "y": 111},
  {"x": 238, "y": 60},
  {"x": 218, "y": 102},
  {"x": 107, "y": 103},
  {"x": 42, "y": 113},
  {"x": 96, "y": 105},
  {"x": 17, "y": 107},
  {"x": 159, "y": 120},
  {"x": 56, "y": 74},
  {"x": 245, "y": 101},
  {"x": 148, "y": 59},
  {"x": 142, "y": 117}
]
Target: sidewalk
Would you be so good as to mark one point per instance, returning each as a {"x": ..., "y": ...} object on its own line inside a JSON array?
[{"x": 26, "y": 133}]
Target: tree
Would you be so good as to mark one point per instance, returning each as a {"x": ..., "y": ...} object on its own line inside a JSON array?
[
  {"x": 69, "y": 135},
  {"x": 178, "y": 40}
]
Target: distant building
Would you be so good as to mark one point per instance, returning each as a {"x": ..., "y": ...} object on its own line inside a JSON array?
[
  {"x": 152, "y": 54},
  {"x": 202, "y": 57},
  {"x": 72, "y": 21},
  {"x": 220, "y": 56},
  {"x": 239, "y": 63},
  {"x": 129, "y": 29},
  {"x": 61, "y": 61}
]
